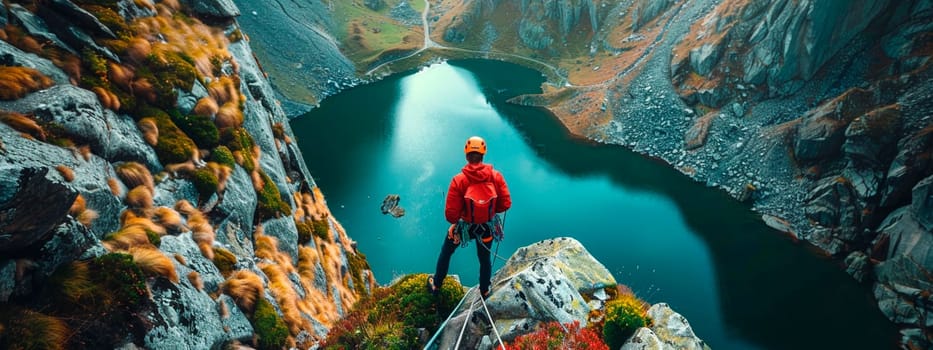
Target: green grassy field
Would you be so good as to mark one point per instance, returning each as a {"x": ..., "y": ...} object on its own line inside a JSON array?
[{"x": 366, "y": 34}]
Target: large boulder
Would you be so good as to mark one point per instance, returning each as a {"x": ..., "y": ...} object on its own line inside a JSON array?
[
  {"x": 833, "y": 207},
  {"x": 12, "y": 56},
  {"x": 821, "y": 131},
  {"x": 908, "y": 167},
  {"x": 922, "y": 203},
  {"x": 83, "y": 120},
  {"x": 669, "y": 330},
  {"x": 541, "y": 282},
  {"x": 37, "y": 204},
  {"x": 214, "y": 8}
]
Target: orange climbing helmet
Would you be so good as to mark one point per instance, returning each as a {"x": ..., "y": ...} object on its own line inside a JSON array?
[{"x": 475, "y": 144}]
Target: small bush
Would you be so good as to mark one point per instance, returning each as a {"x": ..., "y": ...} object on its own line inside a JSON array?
[
  {"x": 225, "y": 261},
  {"x": 304, "y": 231},
  {"x": 222, "y": 155},
  {"x": 121, "y": 279},
  {"x": 201, "y": 129},
  {"x": 173, "y": 146},
  {"x": 134, "y": 174},
  {"x": 551, "y": 336},
  {"x": 357, "y": 264},
  {"x": 32, "y": 330},
  {"x": 245, "y": 287},
  {"x": 270, "y": 329},
  {"x": 17, "y": 82},
  {"x": 624, "y": 315},
  {"x": 154, "y": 263},
  {"x": 390, "y": 317},
  {"x": 205, "y": 182},
  {"x": 321, "y": 228}
]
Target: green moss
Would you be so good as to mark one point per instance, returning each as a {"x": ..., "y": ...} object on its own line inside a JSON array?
[
  {"x": 205, "y": 182},
  {"x": 269, "y": 200},
  {"x": 238, "y": 139},
  {"x": 357, "y": 264},
  {"x": 95, "y": 63},
  {"x": 222, "y": 155},
  {"x": 269, "y": 327},
  {"x": 109, "y": 18},
  {"x": 119, "y": 275},
  {"x": 225, "y": 261},
  {"x": 200, "y": 129},
  {"x": 321, "y": 228},
  {"x": 173, "y": 69},
  {"x": 173, "y": 146},
  {"x": 304, "y": 231},
  {"x": 154, "y": 238}
]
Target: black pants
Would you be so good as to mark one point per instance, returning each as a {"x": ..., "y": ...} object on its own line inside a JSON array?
[{"x": 482, "y": 252}]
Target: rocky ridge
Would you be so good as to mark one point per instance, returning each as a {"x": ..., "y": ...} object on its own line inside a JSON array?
[
  {"x": 190, "y": 199},
  {"x": 556, "y": 280}
]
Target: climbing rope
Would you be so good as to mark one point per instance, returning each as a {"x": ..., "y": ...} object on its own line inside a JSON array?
[{"x": 466, "y": 321}]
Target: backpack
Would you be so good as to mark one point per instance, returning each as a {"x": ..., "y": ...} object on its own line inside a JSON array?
[{"x": 479, "y": 201}]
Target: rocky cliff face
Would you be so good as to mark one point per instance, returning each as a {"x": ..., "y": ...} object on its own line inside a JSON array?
[{"x": 150, "y": 189}]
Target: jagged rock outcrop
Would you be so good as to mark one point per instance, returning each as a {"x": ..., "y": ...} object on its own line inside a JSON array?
[
  {"x": 552, "y": 280},
  {"x": 669, "y": 330}
]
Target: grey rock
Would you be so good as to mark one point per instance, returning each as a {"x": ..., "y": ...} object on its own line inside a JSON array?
[
  {"x": 235, "y": 323},
  {"x": 171, "y": 190},
  {"x": 541, "y": 282},
  {"x": 390, "y": 206},
  {"x": 858, "y": 266},
  {"x": 914, "y": 338},
  {"x": 81, "y": 117},
  {"x": 894, "y": 307},
  {"x": 36, "y": 27},
  {"x": 81, "y": 17},
  {"x": 70, "y": 241},
  {"x": 185, "y": 246},
  {"x": 12, "y": 56},
  {"x": 696, "y": 135},
  {"x": 374, "y": 5},
  {"x": 238, "y": 205},
  {"x": 647, "y": 10},
  {"x": 669, "y": 330},
  {"x": 832, "y": 204},
  {"x": 285, "y": 232},
  {"x": 922, "y": 204},
  {"x": 704, "y": 58},
  {"x": 4, "y": 19},
  {"x": 7, "y": 277},
  {"x": 906, "y": 169},
  {"x": 869, "y": 138},
  {"x": 183, "y": 317},
  {"x": 214, "y": 8},
  {"x": 40, "y": 203}
]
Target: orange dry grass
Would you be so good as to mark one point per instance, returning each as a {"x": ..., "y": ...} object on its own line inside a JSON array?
[
  {"x": 121, "y": 76},
  {"x": 126, "y": 238},
  {"x": 222, "y": 172},
  {"x": 78, "y": 206},
  {"x": 66, "y": 172},
  {"x": 229, "y": 116},
  {"x": 144, "y": 89},
  {"x": 167, "y": 33},
  {"x": 137, "y": 49},
  {"x": 114, "y": 185},
  {"x": 134, "y": 175},
  {"x": 139, "y": 198},
  {"x": 107, "y": 99},
  {"x": 169, "y": 219},
  {"x": 195, "y": 280},
  {"x": 23, "y": 124},
  {"x": 201, "y": 230},
  {"x": 150, "y": 131},
  {"x": 284, "y": 293},
  {"x": 16, "y": 82},
  {"x": 153, "y": 262},
  {"x": 206, "y": 107},
  {"x": 245, "y": 287},
  {"x": 145, "y": 223}
]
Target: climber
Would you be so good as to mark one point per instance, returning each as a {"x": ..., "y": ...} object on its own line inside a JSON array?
[{"x": 474, "y": 198}]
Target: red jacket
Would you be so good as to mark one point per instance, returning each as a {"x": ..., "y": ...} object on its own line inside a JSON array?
[{"x": 474, "y": 173}]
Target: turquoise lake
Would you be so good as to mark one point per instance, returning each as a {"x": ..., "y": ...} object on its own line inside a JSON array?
[{"x": 740, "y": 284}]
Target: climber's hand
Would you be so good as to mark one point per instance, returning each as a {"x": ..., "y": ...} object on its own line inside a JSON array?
[{"x": 455, "y": 237}]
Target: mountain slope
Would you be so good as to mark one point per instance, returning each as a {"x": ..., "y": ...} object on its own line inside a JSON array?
[{"x": 152, "y": 191}]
